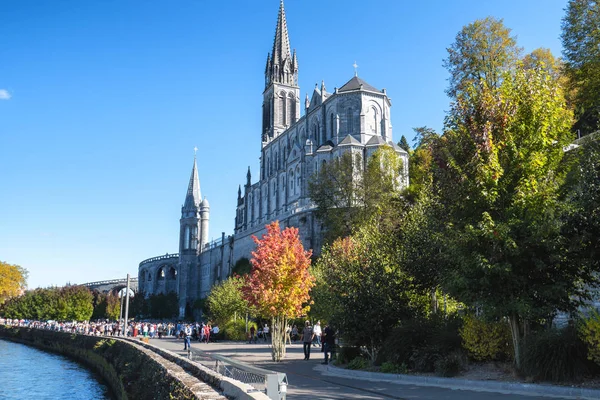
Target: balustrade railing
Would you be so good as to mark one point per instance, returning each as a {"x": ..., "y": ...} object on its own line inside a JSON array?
[{"x": 165, "y": 257}]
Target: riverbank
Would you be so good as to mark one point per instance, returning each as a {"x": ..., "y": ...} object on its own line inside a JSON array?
[{"x": 129, "y": 370}]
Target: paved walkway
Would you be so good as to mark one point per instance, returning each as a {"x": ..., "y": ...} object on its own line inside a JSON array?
[{"x": 309, "y": 380}]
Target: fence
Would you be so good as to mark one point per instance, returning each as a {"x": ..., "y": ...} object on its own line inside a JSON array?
[{"x": 273, "y": 384}]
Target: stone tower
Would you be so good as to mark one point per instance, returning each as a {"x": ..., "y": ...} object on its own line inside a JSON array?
[
  {"x": 190, "y": 235},
  {"x": 281, "y": 97},
  {"x": 204, "y": 219}
]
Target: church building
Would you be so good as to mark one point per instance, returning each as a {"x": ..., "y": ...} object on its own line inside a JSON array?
[{"x": 354, "y": 118}]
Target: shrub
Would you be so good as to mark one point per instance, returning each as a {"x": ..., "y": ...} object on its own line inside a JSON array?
[
  {"x": 589, "y": 331},
  {"x": 419, "y": 342},
  {"x": 450, "y": 365},
  {"x": 236, "y": 330},
  {"x": 486, "y": 341},
  {"x": 347, "y": 354},
  {"x": 556, "y": 355},
  {"x": 358, "y": 363},
  {"x": 391, "y": 368}
]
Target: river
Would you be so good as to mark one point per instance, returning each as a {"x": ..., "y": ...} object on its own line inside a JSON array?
[{"x": 29, "y": 373}]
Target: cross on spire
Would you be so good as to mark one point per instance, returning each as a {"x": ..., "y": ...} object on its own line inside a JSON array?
[
  {"x": 195, "y": 150},
  {"x": 355, "y": 68}
]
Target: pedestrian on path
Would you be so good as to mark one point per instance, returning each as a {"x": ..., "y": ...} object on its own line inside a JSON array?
[
  {"x": 188, "y": 337},
  {"x": 328, "y": 343},
  {"x": 317, "y": 332},
  {"x": 252, "y": 334},
  {"x": 307, "y": 338}
]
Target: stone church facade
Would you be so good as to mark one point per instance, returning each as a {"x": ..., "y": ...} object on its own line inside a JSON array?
[{"x": 354, "y": 118}]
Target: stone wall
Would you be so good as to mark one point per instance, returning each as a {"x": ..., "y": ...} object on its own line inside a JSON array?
[{"x": 133, "y": 371}]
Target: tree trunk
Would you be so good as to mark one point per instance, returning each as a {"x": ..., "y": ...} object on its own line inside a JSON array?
[
  {"x": 516, "y": 338},
  {"x": 278, "y": 324}
]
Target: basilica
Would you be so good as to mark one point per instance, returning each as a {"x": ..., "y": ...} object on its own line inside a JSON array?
[{"x": 353, "y": 118}]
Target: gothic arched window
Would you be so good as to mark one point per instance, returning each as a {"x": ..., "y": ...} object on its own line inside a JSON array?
[
  {"x": 282, "y": 110},
  {"x": 298, "y": 177},
  {"x": 186, "y": 238},
  {"x": 331, "y": 126},
  {"x": 349, "y": 124},
  {"x": 291, "y": 109},
  {"x": 374, "y": 110}
]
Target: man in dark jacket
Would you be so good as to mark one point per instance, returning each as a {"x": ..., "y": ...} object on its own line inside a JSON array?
[{"x": 328, "y": 343}]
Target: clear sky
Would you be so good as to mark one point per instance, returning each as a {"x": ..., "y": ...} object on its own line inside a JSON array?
[{"x": 102, "y": 103}]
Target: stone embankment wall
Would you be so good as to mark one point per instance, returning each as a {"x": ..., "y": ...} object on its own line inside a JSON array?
[{"x": 130, "y": 370}]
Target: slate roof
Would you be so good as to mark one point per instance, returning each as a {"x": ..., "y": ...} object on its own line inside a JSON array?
[
  {"x": 396, "y": 147},
  {"x": 376, "y": 141},
  {"x": 355, "y": 84},
  {"x": 349, "y": 140}
]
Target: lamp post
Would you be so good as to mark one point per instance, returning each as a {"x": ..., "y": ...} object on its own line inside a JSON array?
[{"x": 127, "y": 306}]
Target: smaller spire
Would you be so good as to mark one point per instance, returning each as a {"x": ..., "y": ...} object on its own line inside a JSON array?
[
  {"x": 294, "y": 61},
  {"x": 248, "y": 177},
  {"x": 323, "y": 87},
  {"x": 193, "y": 196},
  {"x": 239, "y": 192},
  {"x": 306, "y": 102}
]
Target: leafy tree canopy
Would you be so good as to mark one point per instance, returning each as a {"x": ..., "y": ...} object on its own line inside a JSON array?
[
  {"x": 347, "y": 194},
  {"x": 279, "y": 284},
  {"x": 226, "y": 299},
  {"x": 481, "y": 53},
  {"x": 581, "y": 51},
  {"x": 13, "y": 279}
]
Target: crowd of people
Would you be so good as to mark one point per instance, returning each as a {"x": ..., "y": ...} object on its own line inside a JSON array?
[
  {"x": 311, "y": 336},
  {"x": 203, "y": 332}
]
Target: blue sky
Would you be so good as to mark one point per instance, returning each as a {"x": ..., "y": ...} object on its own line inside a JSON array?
[{"x": 102, "y": 103}]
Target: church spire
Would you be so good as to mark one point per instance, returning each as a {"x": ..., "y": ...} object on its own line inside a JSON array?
[
  {"x": 193, "y": 196},
  {"x": 281, "y": 44},
  {"x": 281, "y": 66}
]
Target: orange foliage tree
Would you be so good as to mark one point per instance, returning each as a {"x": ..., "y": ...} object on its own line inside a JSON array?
[{"x": 279, "y": 283}]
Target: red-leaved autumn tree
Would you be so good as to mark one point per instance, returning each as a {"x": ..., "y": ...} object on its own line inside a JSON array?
[{"x": 279, "y": 283}]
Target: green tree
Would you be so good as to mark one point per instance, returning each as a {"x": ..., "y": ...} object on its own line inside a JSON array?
[
  {"x": 420, "y": 176},
  {"x": 163, "y": 305},
  {"x": 113, "y": 307},
  {"x": 403, "y": 144},
  {"x": 347, "y": 194},
  {"x": 480, "y": 54},
  {"x": 13, "y": 279},
  {"x": 542, "y": 58},
  {"x": 226, "y": 299},
  {"x": 364, "y": 286},
  {"x": 582, "y": 222},
  {"x": 581, "y": 51},
  {"x": 496, "y": 174},
  {"x": 78, "y": 303}
]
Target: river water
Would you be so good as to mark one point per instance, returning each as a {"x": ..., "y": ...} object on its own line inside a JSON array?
[{"x": 28, "y": 373}]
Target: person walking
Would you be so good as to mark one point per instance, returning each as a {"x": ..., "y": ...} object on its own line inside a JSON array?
[
  {"x": 187, "y": 338},
  {"x": 307, "y": 338},
  {"x": 317, "y": 331},
  {"x": 252, "y": 334},
  {"x": 328, "y": 343}
]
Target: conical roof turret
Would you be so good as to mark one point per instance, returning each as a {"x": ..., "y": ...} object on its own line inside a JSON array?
[{"x": 193, "y": 196}]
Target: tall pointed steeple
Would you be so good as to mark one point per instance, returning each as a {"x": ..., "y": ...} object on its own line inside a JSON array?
[
  {"x": 281, "y": 44},
  {"x": 281, "y": 97},
  {"x": 281, "y": 66},
  {"x": 193, "y": 196}
]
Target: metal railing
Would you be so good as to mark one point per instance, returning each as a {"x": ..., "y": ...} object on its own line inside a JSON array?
[{"x": 273, "y": 384}]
